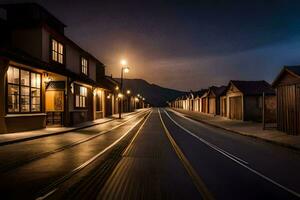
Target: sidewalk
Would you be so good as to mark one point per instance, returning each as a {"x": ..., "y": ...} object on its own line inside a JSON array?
[
  {"x": 251, "y": 129},
  {"x": 10, "y": 138}
]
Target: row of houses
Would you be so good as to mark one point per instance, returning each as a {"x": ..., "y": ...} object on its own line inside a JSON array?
[
  {"x": 251, "y": 100},
  {"x": 46, "y": 78}
]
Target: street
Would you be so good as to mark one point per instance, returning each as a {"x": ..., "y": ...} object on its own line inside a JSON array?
[{"x": 154, "y": 154}]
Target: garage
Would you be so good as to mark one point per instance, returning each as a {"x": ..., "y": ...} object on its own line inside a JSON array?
[
  {"x": 288, "y": 97},
  {"x": 236, "y": 108},
  {"x": 212, "y": 105}
]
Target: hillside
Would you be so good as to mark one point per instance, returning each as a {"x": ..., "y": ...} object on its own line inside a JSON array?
[{"x": 154, "y": 94}]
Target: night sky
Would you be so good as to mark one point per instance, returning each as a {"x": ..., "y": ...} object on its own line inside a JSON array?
[{"x": 186, "y": 44}]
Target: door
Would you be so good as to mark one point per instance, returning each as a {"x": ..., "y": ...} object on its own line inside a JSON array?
[
  {"x": 54, "y": 107},
  {"x": 204, "y": 105},
  {"x": 223, "y": 107},
  {"x": 236, "y": 108},
  {"x": 212, "y": 106}
]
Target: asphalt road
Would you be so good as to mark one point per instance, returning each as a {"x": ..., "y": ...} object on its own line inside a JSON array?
[
  {"x": 161, "y": 155},
  {"x": 234, "y": 166},
  {"x": 59, "y": 156}
]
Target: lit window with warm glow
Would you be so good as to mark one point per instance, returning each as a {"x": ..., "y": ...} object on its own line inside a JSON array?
[
  {"x": 80, "y": 97},
  {"x": 23, "y": 91},
  {"x": 57, "y": 51},
  {"x": 84, "y": 66}
]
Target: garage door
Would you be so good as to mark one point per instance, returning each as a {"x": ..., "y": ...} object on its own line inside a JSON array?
[
  {"x": 235, "y": 108},
  {"x": 212, "y": 105}
]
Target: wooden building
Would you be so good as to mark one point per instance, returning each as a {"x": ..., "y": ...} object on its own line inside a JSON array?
[
  {"x": 197, "y": 99},
  {"x": 46, "y": 79},
  {"x": 204, "y": 102},
  {"x": 287, "y": 85},
  {"x": 244, "y": 99},
  {"x": 213, "y": 95}
]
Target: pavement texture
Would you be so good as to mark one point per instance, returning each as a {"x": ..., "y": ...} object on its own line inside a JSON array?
[
  {"x": 164, "y": 155},
  {"x": 29, "y": 167},
  {"x": 234, "y": 166},
  {"x": 10, "y": 138},
  {"x": 150, "y": 169},
  {"x": 251, "y": 129}
]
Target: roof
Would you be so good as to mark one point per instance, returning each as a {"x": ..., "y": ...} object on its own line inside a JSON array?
[
  {"x": 48, "y": 17},
  {"x": 200, "y": 93},
  {"x": 253, "y": 87},
  {"x": 32, "y": 5},
  {"x": 293, "y": 70},
  {"x": 218, "y": 91}
]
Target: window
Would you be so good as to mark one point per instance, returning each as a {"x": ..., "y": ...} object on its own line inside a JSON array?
[
  {"x": 57, "y": 51},
  {"x": 84, "y": 66},
  {"x": 23, "y": 91},
  {"x": 80, "y": 96}
]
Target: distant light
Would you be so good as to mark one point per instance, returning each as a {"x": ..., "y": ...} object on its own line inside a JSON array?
[
  {"x": 126, "y": 69},
  {"x": 108, "y": 97},
  {"x": 136, "y": 99},
  {"x": 138, "y": 95},
  {"x": 144, "y": 99},
  {"x": 117, "y": 88},
  {"x": 123, "y": 62},
  {"x": 128, "y": 91},
  {"x": 120, "y": 95}
]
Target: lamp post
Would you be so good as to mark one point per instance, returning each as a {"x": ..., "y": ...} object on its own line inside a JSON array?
[
  {"x": 124, "y": 69},
  {"x": 128, "y": 100}
]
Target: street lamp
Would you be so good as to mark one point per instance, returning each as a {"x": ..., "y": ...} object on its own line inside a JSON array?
[
  {"x": 128, "y": 100},
  {"x": 124, "y": 69}
]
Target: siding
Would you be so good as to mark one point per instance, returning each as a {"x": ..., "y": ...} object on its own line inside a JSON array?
[{"x": 288, "y": 109}]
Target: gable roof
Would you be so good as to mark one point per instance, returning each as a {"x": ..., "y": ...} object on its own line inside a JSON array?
[
  {"x": 253, "y": 87},
  {"x": 200, "y": 93},
  {"x": 217, "y": 91},
  {"x": 293, "y": 70}
]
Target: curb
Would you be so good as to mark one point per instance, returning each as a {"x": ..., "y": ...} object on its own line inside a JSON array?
[
  {"x": 50, "y": 134},
  {"x": 243, "y": 134},
  {"x": 54, "y": 133}
]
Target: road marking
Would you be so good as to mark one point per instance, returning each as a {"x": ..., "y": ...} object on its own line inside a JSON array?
[
  {"x": 135, "y": 136},
  {"x": 236, "y": 160},
  {"x": 222, "y": 151},
  {"x": 13, "y": 165},
  {"x": 201, "y": 187},
  {"x": 47, "y": 195},
  {"x": 80, "y": 167}
]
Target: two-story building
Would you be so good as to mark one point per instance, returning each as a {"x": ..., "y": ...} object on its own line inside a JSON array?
[{"x": 46, "y": 78}]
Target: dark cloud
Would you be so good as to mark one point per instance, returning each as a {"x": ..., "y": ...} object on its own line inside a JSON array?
[{"x": 186, "y": 43}]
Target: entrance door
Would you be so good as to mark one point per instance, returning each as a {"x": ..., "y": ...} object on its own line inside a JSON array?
[
  {"x": 212, "y": 105},
  {"x": 204, "y": 105},
  {"x": 235, "y": 108},
  {"x": 223, "y": 107},
  {"x": 54, "y": 107}
]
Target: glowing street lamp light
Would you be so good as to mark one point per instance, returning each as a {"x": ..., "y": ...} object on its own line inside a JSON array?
[
  {"x": 123, "y": 62},
  {"x": 120, "y": 95},
  {"x": 124, "y": 69},
  {"x": 128, "y": 91}
]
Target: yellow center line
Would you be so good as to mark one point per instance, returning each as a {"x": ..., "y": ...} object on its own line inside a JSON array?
[
  {"x": 201, "y": 187},
  {"x": 129, "y": 147}
]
